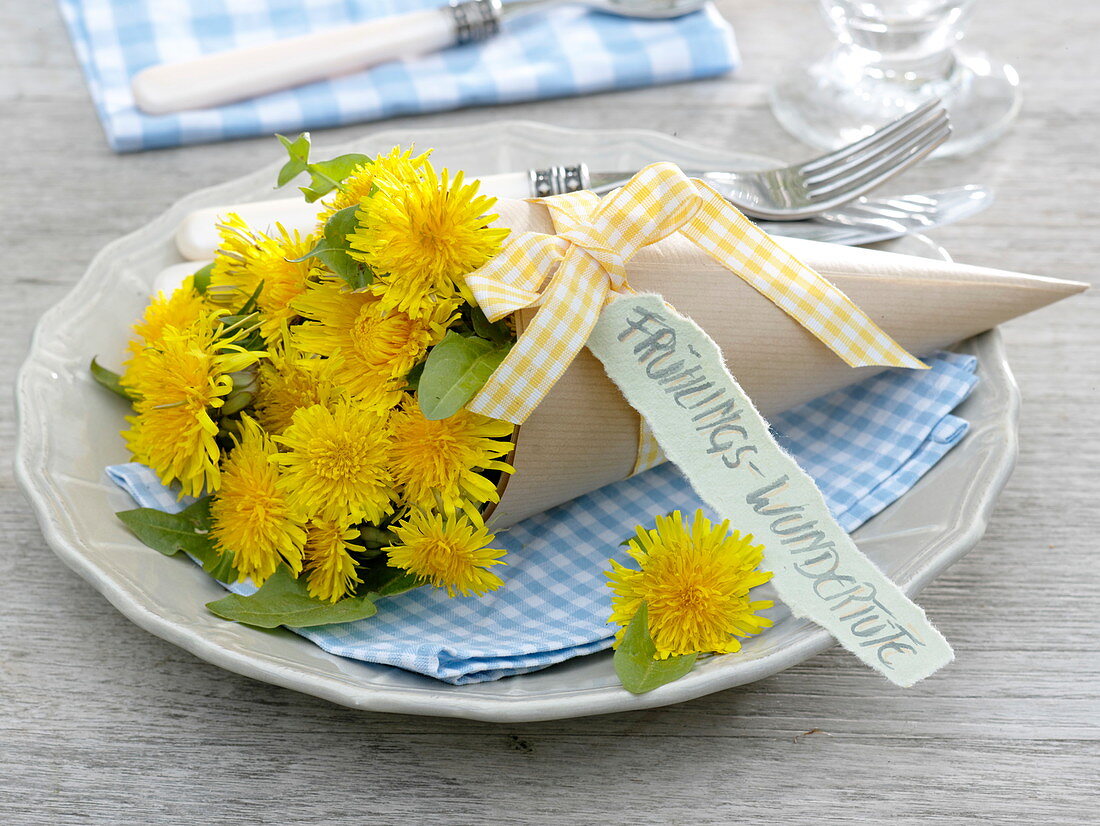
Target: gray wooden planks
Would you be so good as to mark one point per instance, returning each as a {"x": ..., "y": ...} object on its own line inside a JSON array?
[{"x": 101, "y": 722}]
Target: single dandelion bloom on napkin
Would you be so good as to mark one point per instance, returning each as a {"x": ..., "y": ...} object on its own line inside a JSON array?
[
  {"x": 178, "y": 386},
  {"x": 250, "y": 517},
  {"x": 422, "y": 238},
  {"x": 267, "y": 266},
  {"x": 377, "y": 347},
  {"x": 290, "y": 381},
  {"x": 450, "y": 552},
  {"x": 695, "y": 581},
  {"x": 397, "y": 164},
  {"x": 330, "y": 568},
  {"x": 334, "y": 462},
  {"x": 444, "y": 460}
]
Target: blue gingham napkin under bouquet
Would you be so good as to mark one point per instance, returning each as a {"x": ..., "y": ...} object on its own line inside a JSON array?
[
  {"x": 864, "y": 446},
  {"x": 563, "y": 51}
]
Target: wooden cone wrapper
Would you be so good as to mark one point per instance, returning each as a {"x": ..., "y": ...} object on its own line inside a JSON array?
[{"x": 584, "y": 435}]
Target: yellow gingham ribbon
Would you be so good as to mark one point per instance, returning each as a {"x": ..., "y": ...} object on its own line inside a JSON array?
[
  {"x": 650, "y": 453},
  {"x": 588, "y": 255}
]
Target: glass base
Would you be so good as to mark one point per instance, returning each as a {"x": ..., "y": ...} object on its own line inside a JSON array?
[{"x": 842, "y": 98}]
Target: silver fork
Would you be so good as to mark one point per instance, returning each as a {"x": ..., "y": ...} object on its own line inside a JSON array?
[{"x": 799, "y": 191}]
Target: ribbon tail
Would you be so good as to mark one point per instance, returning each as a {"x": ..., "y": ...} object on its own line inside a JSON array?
[{"x": 728, "y": 237}]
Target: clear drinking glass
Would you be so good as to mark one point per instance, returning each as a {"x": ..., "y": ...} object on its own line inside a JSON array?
[{"x": 892, "y": 56}]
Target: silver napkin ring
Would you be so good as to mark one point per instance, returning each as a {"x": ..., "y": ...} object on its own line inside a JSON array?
[
  {"x": 475, "y": 19},
  {"x": 557, "y": 180}
]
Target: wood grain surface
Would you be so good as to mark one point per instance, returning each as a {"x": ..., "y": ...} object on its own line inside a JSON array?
[{"x": 101, "y": 722}]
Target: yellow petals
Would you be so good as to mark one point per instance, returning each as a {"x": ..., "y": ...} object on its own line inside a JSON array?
[
  {"x": 250, "y": 516},
  {"x": 398, "y": 165},
  {"x": 448, "y": 551},
  {"x": 179, "y": 383},
  {"x": 290, "y": 381},
  {"x": 445, "y": 461},
  {"x": 695, "y": 582},
  {"x": 377, "y": 348},
  {"x": 330, "y": 568},
  {"x": 178, "y": 311},
  {"x": 249, "y": 261},
  {"x": 334, "y": 462},
  {"x": 421, "y": 238}
]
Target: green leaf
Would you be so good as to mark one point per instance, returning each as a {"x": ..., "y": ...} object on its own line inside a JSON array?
[
  {"x": 399, "y": 584},
  {"x": 337, "y": 257},
  {"x": 298, "y": 150},
  {"x": 236, "y": 402},
  {"x": 496, "y": 332},
  {"x": 634, "y": 660},
  {"x": 326, "y": 176},
  {"x": 374, "y": 537},
  {"x": 201, "y": 278},
  {"x": 220, "y": 566},
  {"x": 340, "y": 225},
  {"x": 187, "y": 531},
  {"x": 171, "y": 532},
  {"x": 109, "y": 379},
  {"x": 250, "y": 304},
  {"x": 456, "y": 369},
  {"x": 384, "y": 581},
  {"x": 284, "y": 600},
  {"x": 412, "y": 378},
  {"x": 333, "y": 249}
]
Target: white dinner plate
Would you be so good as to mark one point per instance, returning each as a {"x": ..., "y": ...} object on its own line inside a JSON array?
[{"x": 60, "y": 460}]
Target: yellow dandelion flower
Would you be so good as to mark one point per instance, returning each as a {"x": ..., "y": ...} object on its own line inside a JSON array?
[
  {"x": 695, "y": 581},
  {"x": 248, "y": 259},
  {"x": 330, "y": 568},
  {"x": 422, "y": 238},
  {"x": 249, "y": 516},
  {"x": 180, "y": 383},
  {"x": 449, "y": 551},
  {"x": 447, "y": 457},
  {"x": 289, "y": 381},
  {"x": 334, "y": 462},
  {"x": 179, "y": 311},
  {"x": 377, "y": 348},
  {"x": 397, "y": 164}
]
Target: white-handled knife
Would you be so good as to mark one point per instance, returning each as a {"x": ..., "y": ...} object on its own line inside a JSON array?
[
  {"x": 863, "y": 221},
  {"x": 237, "y": 74}
]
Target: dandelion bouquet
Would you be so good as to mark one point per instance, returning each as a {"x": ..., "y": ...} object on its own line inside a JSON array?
[{"x": 307, "y": 390}]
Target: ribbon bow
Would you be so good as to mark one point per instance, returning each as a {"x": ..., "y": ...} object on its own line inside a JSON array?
[{"x": 588, "y": 256}]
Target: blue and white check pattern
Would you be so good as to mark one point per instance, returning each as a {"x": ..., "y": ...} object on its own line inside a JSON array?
[
  {"x": 865, "y": 446},
  {"x": 565, "y": 51}
]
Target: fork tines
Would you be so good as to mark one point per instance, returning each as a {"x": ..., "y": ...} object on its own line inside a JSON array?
[{"x": 856, "y": 168}]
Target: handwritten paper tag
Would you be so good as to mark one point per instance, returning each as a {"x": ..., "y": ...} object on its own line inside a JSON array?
[{"x": 673, "y": 374}]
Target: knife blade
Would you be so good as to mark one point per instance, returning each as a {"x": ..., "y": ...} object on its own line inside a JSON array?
[{"x": 869, "y": 220}]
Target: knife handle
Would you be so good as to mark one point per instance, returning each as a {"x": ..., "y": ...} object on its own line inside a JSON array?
[{"x": 238, "y": 74}]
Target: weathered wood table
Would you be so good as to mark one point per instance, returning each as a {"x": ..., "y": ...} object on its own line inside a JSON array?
[{"x": 101, "y": 722}]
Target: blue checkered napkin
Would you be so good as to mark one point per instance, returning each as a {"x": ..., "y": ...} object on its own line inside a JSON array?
[
  {"x": 865, "y": 446},
  {"x": 565, "y": 51}
]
